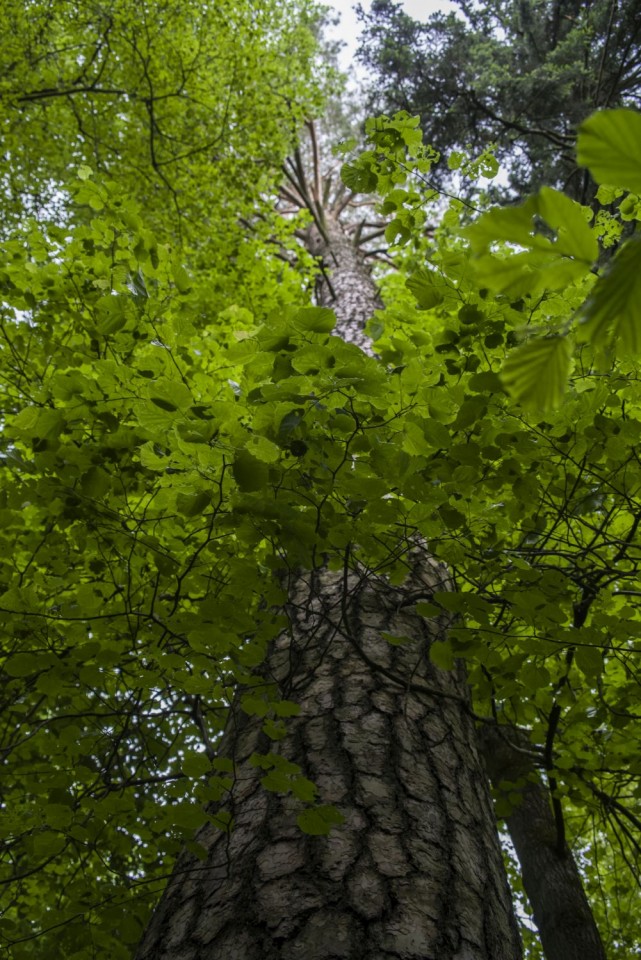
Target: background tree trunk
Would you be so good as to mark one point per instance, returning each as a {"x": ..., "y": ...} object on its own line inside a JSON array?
[
  {"x": 416, "y": 869},
  {"x": 551, "y": 878}
]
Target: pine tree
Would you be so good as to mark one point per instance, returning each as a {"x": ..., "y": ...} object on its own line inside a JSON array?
[
  {"x": 415, "y": 867},
  {"x": 522, "y": 75}
]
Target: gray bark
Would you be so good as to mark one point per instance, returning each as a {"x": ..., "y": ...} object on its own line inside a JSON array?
[
  {"x": 416, "y": 869},
  {"x": 346, "y": 284},
  {"x": 551, "y": 878}
]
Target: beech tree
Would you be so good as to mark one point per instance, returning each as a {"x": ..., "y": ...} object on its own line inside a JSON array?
[{"x": 262, "y": 586}]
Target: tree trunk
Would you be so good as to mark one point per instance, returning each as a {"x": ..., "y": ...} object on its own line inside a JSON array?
[
  {"x": 551, "y": 878},
  {"x": 415, "y": 870},
  {"x": 346, "y": 283}
]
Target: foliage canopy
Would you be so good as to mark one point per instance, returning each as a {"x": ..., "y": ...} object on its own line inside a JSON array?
[
  {"x": 177, "y": 430},
  {"x": 520, "y": 75}
]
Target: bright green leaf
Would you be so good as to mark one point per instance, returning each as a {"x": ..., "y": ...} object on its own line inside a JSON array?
[
  {"x": 609, "y": 144},
  {"x": 613, "y": 310},
  {"x": 315, "y": 319},
  {"x": 358, "y": 176},
  {"x": 181, "y": 278},
  {"x": 422, "y": 285},
  {"x": 536, "y": 373}
]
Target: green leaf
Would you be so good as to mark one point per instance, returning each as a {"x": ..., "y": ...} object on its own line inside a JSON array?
[
  {"x": 470, "y": 314},
  {"x": 254, "y": 706},
  {"x": 507, "y": 224},
  {"x": 274, "y": 729},
  {"x": 37, "y": 422},
  {"x": 612, "y": 312},
  {"x": 181, "y": 278},
  {"x": 396, "y": 232},
  {"x": 452, "y": 518},
  {"x": 485, "y": 382},
  {"x": 358, "y": 176},
  {"x": 129, "y": 928},
  {"x": 196, "y": 765},
  {"x": 318, "y": 821},
  {"x": 164, "y": 404},
  {"x": 441, "y": 654},
  {"x": 315, "y": 319},
  {"x": 395, "y": 640},
  {"x": 111, "y": 314},
  {"x": 170, "y": 395},
  {"x": 422, "y": 286},
  {"x": 428, "y": 610},
  {"x": 186, "y": 815},
  {"x": 277, "y": 781},
  {"x": 95, "y": 483},
  {"x": 609, "y": 144},
  {"x": 536, "y": 374},
  {"x": 21, "y": 665},
  {"x": 285, "y": 708},
  {"x": 48, "y": 844},
  {"x": 437, "y": 434},
  {"x": 222, "y": 820},
  {"x": 589, "y": 660},
  {"x": 545, "y": 263},
  {"x": 575, "y": 237},
  {"x": 92, "y": 194},
  {"x": 193, "y": 504},
  {"x": 249, "y": 472},
  {"x": 303, "y": 789},
  {"x": 58, "y": 815}
]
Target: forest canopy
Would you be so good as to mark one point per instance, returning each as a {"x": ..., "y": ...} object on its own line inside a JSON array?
[
  {"x": 182, "y": 430},
  {"x": 521, "y": 76}
]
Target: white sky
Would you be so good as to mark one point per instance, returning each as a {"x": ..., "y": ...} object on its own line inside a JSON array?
[{"x": 349, "y": 27}]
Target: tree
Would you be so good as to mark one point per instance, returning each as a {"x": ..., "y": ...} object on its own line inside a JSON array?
[
  {"x": 549, "y": 871},
  {"x": 416, "y": 867},
  {"x": 549, "y": 245},
  {"x": 177, "y": 427},
  {"x": 188, "y": 108},
  {"x": 471, "y": 841},
  {"x": 521, "y": 75},
  {"x": 130, "y": 92}
]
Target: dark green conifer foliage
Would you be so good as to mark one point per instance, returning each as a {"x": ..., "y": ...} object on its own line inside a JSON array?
[{"x": 522, "y": 74}]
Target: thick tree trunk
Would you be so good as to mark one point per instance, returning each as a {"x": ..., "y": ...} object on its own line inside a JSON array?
[
  {"x": 416, "y": 869},
  {"x": 551, "y": 878}
]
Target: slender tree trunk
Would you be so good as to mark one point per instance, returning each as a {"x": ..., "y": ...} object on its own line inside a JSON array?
[
  {"x": 551, "y": 878},
  {"x": 346, "y": 283},
  {"x": 416, "y": 869}
]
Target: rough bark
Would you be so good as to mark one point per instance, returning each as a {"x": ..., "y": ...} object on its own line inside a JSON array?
[
  {"x": 345, "y": 284},
  {"x": 551, "y": 878},
  {"x": 416, "y": 869}
]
